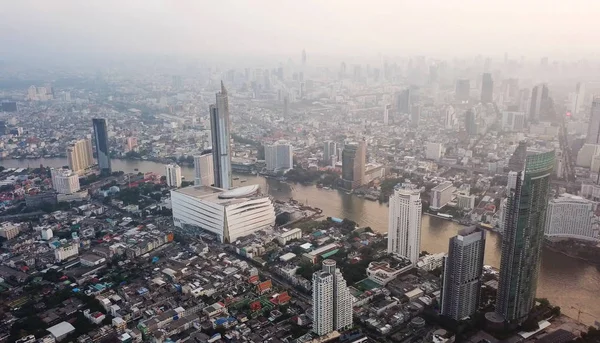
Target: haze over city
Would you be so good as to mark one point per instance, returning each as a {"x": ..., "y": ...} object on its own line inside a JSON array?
[{"x": 299, "y": 171}]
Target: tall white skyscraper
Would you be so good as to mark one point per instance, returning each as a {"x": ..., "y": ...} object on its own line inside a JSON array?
[
  {"x": 204, "y": 170},
  {"x": 450, "y": 121},
  {"x": 330, "y": 152},
  {"x": 332, "y": 301},
  {"x": 404, "y": 230},
  {"x": 221, "y": 141},
  {"x": 279, "y": 156},
  {"x": 577, "y": 98},
  {"x": 173, "y": 174},
  {"x": 463, "y": 266},
  {"x": 593, "y": 135},
  {"x": 64, "y": 181},
  {"x": 80, "y": 156},
  {"x": 386, "y": 113}
]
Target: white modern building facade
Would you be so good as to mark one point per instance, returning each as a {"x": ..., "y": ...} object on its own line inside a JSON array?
[
  {"x": 330, "y": 153},
  {"x": 64, "y": 181},
  {"x": 434, "y": 151},
  {"x": 441, "y": 195},
  {"x": 204, "y": 170},
  {"x": 571, "y": 216},
  {"x": 221, "y": 140},
  {"x": 173, "y": 175},
  {"x": 65, "y": 251},
  {"x": 227, "y": 215},
  {"x": 332, "y": 301},
  {"x": 279, "y": 156},
  {"x": 404, "y": 225},
  {"x": 463, "y": 267}
]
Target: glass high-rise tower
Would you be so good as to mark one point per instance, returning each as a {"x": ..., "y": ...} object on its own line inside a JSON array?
[
  {"x": 102, "y": 150},
  {"x": 221, "y": 144},
  {"x": 525, "y": 215}
]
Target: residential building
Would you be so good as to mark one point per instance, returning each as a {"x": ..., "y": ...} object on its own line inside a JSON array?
[
  {"x": 354, "y": 164},
  {"x": 332, "y": 301},
  {"x": 9, "y": 230},
  {"x": 386, "y": 113},
  {"x": 102, "y": 148},
  {"x": 221, "y": 140},
  {"x": 539, "y": 95},
  {"x": 450, "y": 121},
  {"x": 64, "y": 181},
  {"x": 330, "y": 152},
  {"x": 513, "y": 121},
  {"x": 173, "y": 175},
  {"x": 403, "y": 101},
  {"x": 80, "y": 156},
  {"x": 434, "y": 151},
  {"x": 462, "y": 91},
  {"x": 593, "y": 134},
  {"x": 487, "y": 88},
  {"x": 463, "y": 267},
  {"x": 586, "y": 154},
  {"x": 523, "y": 235},
  {"x": 227, "y": 215},
  {"x": 204, "y": 173},
  {"x": 66, "y": 251},
  {"x": 464, "y": 201},
  {"x": 404, "y": 224},
  {"x": 571, "y": 216},
  {"x": 441, "y": 195},
  {"x": 289, "y": 235},
  {"x": 590, "y": 191},
  {"x": 578, "y": 98},
  {"x": 130, "y": 144},
  {"x": 279, "y": 157},
  {"x": 471, "y": 122}
]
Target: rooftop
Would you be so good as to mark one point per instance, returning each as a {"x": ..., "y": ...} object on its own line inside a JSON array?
[{"x": 218, "y": 195}]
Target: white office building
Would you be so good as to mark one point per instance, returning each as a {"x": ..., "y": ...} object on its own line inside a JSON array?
[
  {"x": 386, "y": 113},
  {"x": 441, "y": 195},
  {"x": 464, "y": 201},
  {"x": 586, "y": 155},
  {"x": 513, "y": 121},
  {"x": 450, "y": 120},
  {"x": 404, "y": 225},
  {"x": 64, "y": 181},
  {"x": 227, "y": 215},
  {"x": 204, "y": 170},
  {"x": 173, "y": 174},
  {"x": 330, "y": 153},
  {"x": 332, "y": 301},
  {"x": 571, "y": 216},
  {"x": 434, "y": 151},
  {"x": 65, "y": 251},
  {"x": 279, "y": 157}
]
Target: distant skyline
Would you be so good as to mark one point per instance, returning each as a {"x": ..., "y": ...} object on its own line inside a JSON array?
[{"x": 70, "y": 28}]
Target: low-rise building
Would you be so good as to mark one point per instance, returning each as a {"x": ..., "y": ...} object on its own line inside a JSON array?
[
  {"x": 289, "y": 235},
  {"x": 9, "y": 230},
  {"x": 66, "y": 251}
]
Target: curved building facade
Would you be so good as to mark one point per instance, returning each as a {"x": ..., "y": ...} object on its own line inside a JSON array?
[
  {"x": 571, "y": 216},
  {"x": 228, "y": 215}
]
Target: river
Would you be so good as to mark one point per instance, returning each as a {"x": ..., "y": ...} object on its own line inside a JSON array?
[{"x": 565, "y": 281}]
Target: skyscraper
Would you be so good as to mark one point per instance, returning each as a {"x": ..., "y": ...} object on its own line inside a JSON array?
[
  {"x": 403, "y": 101},
  {"x": 204, "y": 174},
  {"x": 415, "y": 115},
  {"x": 450, "y": 122},
  {"x": 332, "y": 302},
  {"x": 329, "y": 152},
  {"x": 386, "y": 113},
  {"x": 593, "y": 134},
  {"x": 404, "y": 226},
  {"x": 173, "y": 175},
  {"x": 80, "y": 156},
  {"x": 462, "y": 91},
  {"x": 487, "y": 88},
  {"x": 102, "y": 150},
  {"x": 525, "y": 215},
  {"x": 221, "y": 145},
  {"x": 463, "y": 266},
  {"x": 471, "y": 122},
  {"x": 286, "y": 106},
  {"x": 279, "y": 156},
  {"x": 353, "y": 164},
  {"x": 64, "y": 181},
  {"x": 539, "y": 94}
]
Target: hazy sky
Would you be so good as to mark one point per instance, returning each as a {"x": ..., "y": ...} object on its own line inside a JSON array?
[{"x": 562, "y": 28}]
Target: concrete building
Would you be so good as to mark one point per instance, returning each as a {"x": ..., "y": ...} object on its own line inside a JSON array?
[
  {"x": 539, "y": 95},
  {"x": 471, "y": 122},
  {"x": 279, "y": 157},
  {"x": 227, "y": 215},
  {"x": 130, "y": 144},
  {"x": 46, "y": 234},
  {"x": 434, "y": 151},
  {"x": 9, "y": 230},
  {"x": 590, "y": 191},
  {"x": 487, "y": 88},
  {"x": 450, "y": 120},
  {"x": 386, "y": 113},
  {"x": 523, "y": 235},
  {"x": 513, "y": 121},
  {"x": 204, "y": 172},
  {"x": 64, "y": 181},
  {"x": 571, "y": 216},
  {"x": 65, "y": 251},
  {"x": 80, "y": 156},
  {"x": 332, "y": 301},
  {"x": 593, "y": 134},
  {"x": 403, "y": 102},
  {"x": 586, "y": 155},
  {"x": 463, "y": 267},
  {"x": 441, "y": 195},
  {"x": 173, "y": 174},
  {"x": 354, "y": 164},
  {"x": 462, "y": 91},
  {"x": 465, "y": 201},
  {"x": 221, "y": 140},
  {"x": 330, "y": 153},
  {"x": 289, "y": 235},
  {"x": 102, "y": 148},
  {"x": 404, "y": 224}
]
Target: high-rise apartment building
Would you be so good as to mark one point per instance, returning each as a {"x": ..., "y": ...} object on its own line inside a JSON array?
[
  {"x": 525, "y": 215},
  {"x": 539, "y": 95},
  {"x": 221, "y": 141},
  {"x": 386, "y": 113},
  {"x": 404, "y": 226},
  {"x": 330, "y": 152},
  {"x": 441, "y": 195},
  {"x": 450, "y": 121},
  {"x": 415, "y": 115},
  {"x": 102, "y": 149},
  {"x": 279, "y": 156},
  {"x": 332, "y": 301},
  {"x": 64, "y": 181},
  {"x": 354, "y": 164},
  {"x": 434, "y": 151},
  {"x": 204, "y": 174},
  {"x": 463, "y": 267},
  {"x": 593, "y": 134},
  {"x": 173, "y": 175},
  {"x": 571, "y": 216},
  {"x": 471, "y": 122},
  {"x": 487, "y": 88},
  {"x": 80, "y": 156},
  {"x": 462, "y": 91},
  {"x": 403, "y": 101},
  {"x": 130, "y": 144}
]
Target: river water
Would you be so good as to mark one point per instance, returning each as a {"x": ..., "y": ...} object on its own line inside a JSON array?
[{"x": 565, "y": 281}]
